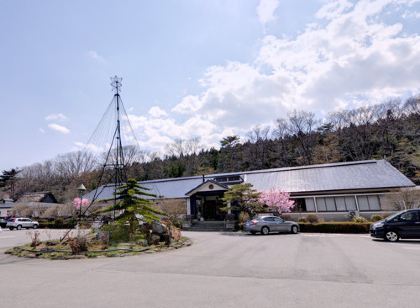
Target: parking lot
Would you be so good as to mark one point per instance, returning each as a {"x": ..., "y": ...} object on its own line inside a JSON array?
[{"x": 224, "y": 270}]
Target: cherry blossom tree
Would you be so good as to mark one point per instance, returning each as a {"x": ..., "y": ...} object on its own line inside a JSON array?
[
  {"x": 277, "y": 199},
  {"x": 77, "y": 202}
]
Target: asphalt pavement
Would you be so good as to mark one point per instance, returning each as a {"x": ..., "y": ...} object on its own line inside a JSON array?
[{"x": 223, "y": 270}]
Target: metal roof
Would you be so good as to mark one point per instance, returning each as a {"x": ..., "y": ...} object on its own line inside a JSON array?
[{"x": 371, "y": 174}]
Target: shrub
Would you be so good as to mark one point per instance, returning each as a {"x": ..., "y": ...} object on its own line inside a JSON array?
[
  {"x": 359, "y": 219},
  {"x": 312, "y": 218},
  {"x": 78, "y": 244},
  {"x": 376, "y": 217},
  {"x": 57, "y": 224},
  {"x": 243, "y": 216},
  {"x": 176, "y": 221},
  {"x": 286, "y": 217},
  {"x": 302, "y": 219},
  {"x": 335, "y": 227},
  {"x": 35, "y": 238},
  {"x": 118, "y": 233}
]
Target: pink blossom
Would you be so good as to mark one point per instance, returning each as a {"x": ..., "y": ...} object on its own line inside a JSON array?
[
  {"x": 77, "y": 202},
  {"x": 277, "y": 199}
]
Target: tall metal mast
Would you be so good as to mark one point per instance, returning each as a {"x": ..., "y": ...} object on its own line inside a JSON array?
[
  {"x": 114, "y": 158},
  {"x": 118, "y": 159}
]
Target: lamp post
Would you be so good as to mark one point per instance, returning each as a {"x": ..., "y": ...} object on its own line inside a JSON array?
[{"x": 81, "y": 189}]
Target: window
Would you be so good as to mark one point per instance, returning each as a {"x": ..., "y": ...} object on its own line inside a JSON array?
[
  {"x": 232, "y": 179},
  {"x": 340, "y": 202},
  {"x": 408, "y": 216},
  {"x": 330, "y": 204},
  {"x": 363, "y": 203},
  {"x": 277, "y": 219},
  {"x": 310, "y": 204},
  {"x": 350, "y": 203},
  {"x": 300, "y": 205},
  {"x": 320, "y": 203},
  {"x": 369, "y": 203},
  {"x": 344, "y": 203},
  {"x": 374, "y": 203}
]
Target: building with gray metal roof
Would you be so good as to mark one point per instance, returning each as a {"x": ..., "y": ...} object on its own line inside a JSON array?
[{"x": 336, "y": 187}]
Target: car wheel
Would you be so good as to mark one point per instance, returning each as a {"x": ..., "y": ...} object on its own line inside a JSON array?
[
  {"x": 295, "y": 229},
  {"x": 11, "y": 229},
  {"x": 253, "y": 232},
  {"x": 392, "y": 236},
  {"x": 35, "y": 226},
  {"x": 19, "y": 227},
  {"x": 265, "y": 230}
]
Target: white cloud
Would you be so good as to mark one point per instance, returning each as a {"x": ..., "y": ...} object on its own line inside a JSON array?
[
  {"x": 42, "y": 131},
  {"x": 157, "y": 112},
  {"x": 266, "y": 10},
  {"x": 94, "y": 55},
  {"x": 189, "y": 104},
  {"x": 90, "y": 147},
  {"x": 333, "y": 8},
  {"x": 59, "y": 128},
  {"x": 350, "y": 57},
  {"x": 56, "y": 117}
]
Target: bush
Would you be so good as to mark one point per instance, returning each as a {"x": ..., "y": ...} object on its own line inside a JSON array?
[
  {"x": 243, "y": 216},
  {"x": 359, "y": 219},
  {"x": 176, "y": 221},
  {"x": 312, "y": 218},
  {"x": 35, "y": 238},
  {"x": 118, "y": 233},
  {"x": 335, "y": 227},
  {"x": 286, "y": 217},
  {"x": 302, "y": 219},
  {"x": 57, "y": 224},
  {"x": 78, "y": 244},
  {"x": 376, "y": 217}
]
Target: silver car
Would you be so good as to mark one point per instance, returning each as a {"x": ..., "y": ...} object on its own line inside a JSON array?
[
  {"x": 267, "y": 224},
  {"x": 19, "y": 223}
]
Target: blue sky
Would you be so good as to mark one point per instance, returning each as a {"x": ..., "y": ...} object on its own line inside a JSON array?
[{"x": 193, "y": 68}]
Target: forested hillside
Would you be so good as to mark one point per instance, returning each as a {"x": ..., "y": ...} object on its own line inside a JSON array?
[{"x": 390, "y": 130}]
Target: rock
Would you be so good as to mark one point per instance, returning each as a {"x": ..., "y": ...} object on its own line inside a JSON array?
[
  {"x": 155, "y": 239},
  {"x": 175, "y": 233}
]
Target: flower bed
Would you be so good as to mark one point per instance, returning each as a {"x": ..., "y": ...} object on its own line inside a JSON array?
[{"x": 79, "y": 248}]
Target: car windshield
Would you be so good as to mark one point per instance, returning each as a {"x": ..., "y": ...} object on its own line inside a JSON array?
[{"x": 394, "y": 215}]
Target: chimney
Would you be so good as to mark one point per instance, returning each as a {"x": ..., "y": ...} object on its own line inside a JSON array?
[{"x": 204, "y": 179}]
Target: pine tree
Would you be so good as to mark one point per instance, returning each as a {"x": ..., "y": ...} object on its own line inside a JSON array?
[
  {"x": 131, "y": 202},
  {"x": 244, "y": 198},
  {"x": 8, "y": 180}
]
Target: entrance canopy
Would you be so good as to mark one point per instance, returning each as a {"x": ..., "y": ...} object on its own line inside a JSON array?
[{"x": 206, "y": 187}]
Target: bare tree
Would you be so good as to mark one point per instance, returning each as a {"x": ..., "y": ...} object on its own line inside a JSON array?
[
  {"x": 412, "y": 105},
  {"x": 408, "y": 198},
  {"x": 74, "y": 164},
  {"x": 302, "y": 125}
]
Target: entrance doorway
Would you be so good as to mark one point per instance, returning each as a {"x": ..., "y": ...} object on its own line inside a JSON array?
[{"x": 209, "y": 208}]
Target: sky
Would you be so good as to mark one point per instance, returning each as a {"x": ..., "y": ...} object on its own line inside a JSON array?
[{"x": 193, "y": 68}]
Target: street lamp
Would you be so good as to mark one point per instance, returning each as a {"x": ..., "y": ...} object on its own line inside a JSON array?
[{"x": 81, "y": 189}]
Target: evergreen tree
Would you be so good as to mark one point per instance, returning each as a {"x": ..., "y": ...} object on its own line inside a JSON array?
[
  {"x": 8, "y": 180},
  {"x": 244, "y": 198},
  {"x": 131, "y": 202}
]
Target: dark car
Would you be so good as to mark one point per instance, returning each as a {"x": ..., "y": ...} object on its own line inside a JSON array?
[
  {"x": 405, "y": 225},
  {"x": 3, "y": 223}
]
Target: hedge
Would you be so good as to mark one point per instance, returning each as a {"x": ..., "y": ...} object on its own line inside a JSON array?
[
  {"x": 335, "y": 227},
  {"x": 57, "y": 224}
]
